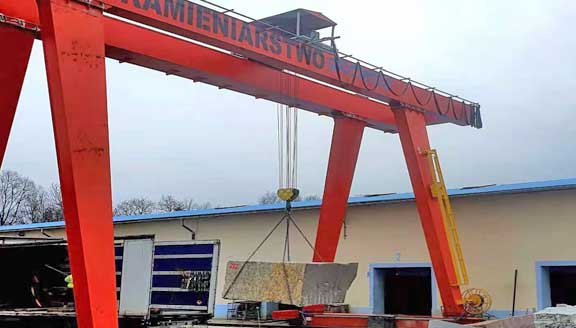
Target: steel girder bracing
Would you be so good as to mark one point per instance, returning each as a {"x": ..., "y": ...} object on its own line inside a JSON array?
[
  {"x": 346, "y": 140},
  {"x": 73, "y": 37},
  {"x": 13, "y": 63}
]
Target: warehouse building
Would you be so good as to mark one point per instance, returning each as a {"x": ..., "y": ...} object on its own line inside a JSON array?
[{"x": 528, "y": 227}]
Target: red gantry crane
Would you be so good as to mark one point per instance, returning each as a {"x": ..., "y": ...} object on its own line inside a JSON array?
[{"x": 259, "y": 58}]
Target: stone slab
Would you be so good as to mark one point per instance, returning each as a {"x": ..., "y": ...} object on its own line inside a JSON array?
[{"x": 289, "y": 283}]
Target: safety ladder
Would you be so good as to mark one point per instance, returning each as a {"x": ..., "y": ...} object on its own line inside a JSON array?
[{"x": 438, "y": 189}]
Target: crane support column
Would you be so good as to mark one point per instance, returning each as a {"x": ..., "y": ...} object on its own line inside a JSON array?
[
  {"x": 73, "y": 38},
  {"x": 346, "y": 140},
  {"x": 13, "y": 64},
  {"x": 414, "y": 138}
]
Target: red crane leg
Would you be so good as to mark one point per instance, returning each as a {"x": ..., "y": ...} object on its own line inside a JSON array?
[
  {"x": 346, "y": 140},
  {"x": 414, "y": 139},
  {"x": 73, "y": 38},
  {"x": 13, "y": 63}
]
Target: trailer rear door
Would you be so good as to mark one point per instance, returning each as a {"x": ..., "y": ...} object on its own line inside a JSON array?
[
  {"x": 136, "y": 277},
  {"x": 184, "y": 277}
]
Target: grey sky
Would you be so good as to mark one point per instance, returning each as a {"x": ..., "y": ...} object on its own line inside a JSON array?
[{"x": 172, "y": 136}]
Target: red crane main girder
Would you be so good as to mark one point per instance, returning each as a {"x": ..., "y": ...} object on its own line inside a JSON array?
[
  {"x": 129, "y": 43},
  {"x": 143, "y": 47},
  {"x": 272, "y": 47}
]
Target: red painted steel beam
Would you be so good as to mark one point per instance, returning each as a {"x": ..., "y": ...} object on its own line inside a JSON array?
[
  {"x": 129, "y": 43},
  {"x": 277, "y": 49},
  {"x": 26, "y": 10},
  {"x": 13, "y": 63},
  {"x": 74, "y": 54},
  {"x": 414, "y": 139},
  {"x": 166, "y": 14},
  {"x": 348, "y": 320},
  {"x": 286, "y": 315},
  {"x": 346, "y": 140},
  {"x": 143, "y": 47}
]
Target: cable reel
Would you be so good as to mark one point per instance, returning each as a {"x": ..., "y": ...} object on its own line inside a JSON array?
[{"x": 477, "y": 301}]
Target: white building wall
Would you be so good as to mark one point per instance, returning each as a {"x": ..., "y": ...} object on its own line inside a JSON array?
[{"x": 499, "y": 233}]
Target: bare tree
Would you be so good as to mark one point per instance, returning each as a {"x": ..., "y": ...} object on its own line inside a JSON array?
[
  {"x": 312, "y": 197},
  {"x": 269, "y": 198},
  {"x": 53, "y": 209},
  {"x": 169, "y": 203},
  {"x": 35, "y": 205},
  {"x": 55, "y": 196},
  {"x": 188, "y": 204},
  {"x": 202, "y": 206},
  {"x": 14, "y": 191},
  {"x": 22, "y": 201},
  {"x": 135, "y": 206}
]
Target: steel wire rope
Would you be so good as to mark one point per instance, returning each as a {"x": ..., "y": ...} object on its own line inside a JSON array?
[{"x": 251, "y": 256}]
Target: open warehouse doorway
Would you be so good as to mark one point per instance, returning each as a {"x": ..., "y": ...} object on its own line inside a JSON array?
[
  {"x": 402, "y": 288},
  {"x": 556, "y": 283}
]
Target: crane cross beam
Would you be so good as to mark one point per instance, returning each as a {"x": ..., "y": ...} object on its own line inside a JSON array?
[{"x": 276, "y": 47}]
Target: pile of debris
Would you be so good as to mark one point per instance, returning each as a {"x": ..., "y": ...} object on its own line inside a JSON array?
[{"x": 561, "y": 316}]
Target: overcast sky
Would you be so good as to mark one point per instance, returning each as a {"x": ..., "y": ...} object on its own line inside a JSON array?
[{"x": 172, "y": 136}]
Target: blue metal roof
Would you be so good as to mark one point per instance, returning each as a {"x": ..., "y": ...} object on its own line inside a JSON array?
[{"x": 387, "y": 198}]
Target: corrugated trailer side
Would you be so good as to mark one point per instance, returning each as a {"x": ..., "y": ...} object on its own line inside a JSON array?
[{"x": 184, "y": 277}]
